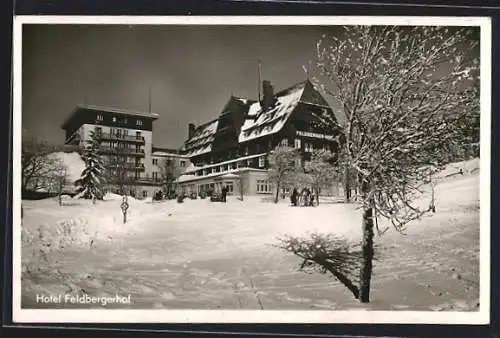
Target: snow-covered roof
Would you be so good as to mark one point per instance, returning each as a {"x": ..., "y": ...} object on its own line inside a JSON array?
[
  {"x": 270, "y": 121},
  {"x": 201, "y": 142},
  {"x": 166, "y": 154},
  {"x": 185, "y": 178},
  {"x": 230, "y": 175},
  {"x": 199, "y": 150},
  {"x": 258, "y": 121}
]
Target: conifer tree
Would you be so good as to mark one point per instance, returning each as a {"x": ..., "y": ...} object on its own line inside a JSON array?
[{"x": 90, "y": 182}]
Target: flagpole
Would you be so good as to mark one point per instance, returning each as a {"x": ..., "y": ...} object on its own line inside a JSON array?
[
  {"x": 149, "y": 99},
  {"x": 259, "y": 77}
]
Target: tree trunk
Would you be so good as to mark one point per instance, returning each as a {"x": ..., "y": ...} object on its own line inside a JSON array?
[
  {"x": 347, "y": 185},
  {"x": 276, "y": 198},
  {"x": 341, "y": 277},
  {"x": 367, "y": 257},
  {"x": 241, "y": 188}
]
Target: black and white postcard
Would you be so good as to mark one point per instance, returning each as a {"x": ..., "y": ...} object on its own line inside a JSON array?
[{"x": 251, "y": 169}]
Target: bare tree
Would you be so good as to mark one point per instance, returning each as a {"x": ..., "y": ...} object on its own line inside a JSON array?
[
  {"x": 36, "y": 164},
  {"x": 119, "y": 169},
  {"x": 402, "y": 91},
  {"x": 61, "y": 179},
  {"x": 170, "y": 170},
  {"x": 283, "y": 163},
  {"x": 322, "y": 170}
]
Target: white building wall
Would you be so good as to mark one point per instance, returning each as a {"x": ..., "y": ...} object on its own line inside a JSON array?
[
  {"x": 148, "y": 147},
  {"x": 86, "y": 129}
]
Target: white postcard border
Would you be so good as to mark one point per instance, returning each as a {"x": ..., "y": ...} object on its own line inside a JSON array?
[{"x": 258, "y": 316}]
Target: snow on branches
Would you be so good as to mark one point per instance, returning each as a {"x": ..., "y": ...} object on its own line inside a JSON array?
[
  {"x": 90, "y": 181},
  {"x": 327, "y": 253},
  {"x": 283, "y": 165},
  {"x": 404, "y": 92}
]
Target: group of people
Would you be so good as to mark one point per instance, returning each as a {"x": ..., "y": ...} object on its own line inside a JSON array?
[
  {"x": 304, "y": 198},
  {"x": 219, "y": 197}
]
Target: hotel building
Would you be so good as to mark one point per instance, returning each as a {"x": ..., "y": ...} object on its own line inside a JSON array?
[
  {"x": 126, "y": 138},
  {"x": 232, "y": 148}
]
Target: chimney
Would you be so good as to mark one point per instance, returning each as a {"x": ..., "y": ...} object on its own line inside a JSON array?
[
  {"x": 191, "y": 129},
  {"x": 268, "y": 94}
]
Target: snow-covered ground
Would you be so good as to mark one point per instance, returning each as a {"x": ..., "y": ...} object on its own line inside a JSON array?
[{"x": 204, "y": 255}]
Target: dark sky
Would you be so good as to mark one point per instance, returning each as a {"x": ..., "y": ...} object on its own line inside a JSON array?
[{"x": 193, "y": 70}]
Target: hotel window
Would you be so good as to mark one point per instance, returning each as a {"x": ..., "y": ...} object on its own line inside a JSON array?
[
  {"x": 155, "y": 175},
  {"x": 98, "y": 130},
  {"x": 284, "y": 142},
  {"x": 138, "y": 135},
  {"x": 297, "y": 143},
  {"x": 308, "y": 147},
  {"x": 246, "y": 151},
  {"x": 262, "y": 162},
  {"x": 229, "y": 186},
  {"x": 138, "y": 123},
  {"x": 183, "y": 163},
  {"x": 114, "y": 119},
  {"x": 264, "y": 187},
  {"x": 155, "y": 161},
  {"x": 144, "y": 193},
  {"x": 249, "y": 163},
  {"x": 99, "y": 117},
  {"x": 125, "y": 132}
]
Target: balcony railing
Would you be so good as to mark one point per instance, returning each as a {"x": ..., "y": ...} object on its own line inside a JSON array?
[
  {"x": 122, "y": 151},
  {"x": 127, "y": 166},
  {"x": 114, "y": 137}
]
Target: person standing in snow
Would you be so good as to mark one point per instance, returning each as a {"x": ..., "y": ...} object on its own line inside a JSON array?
[
  {"x": 293, "y": 197},
  {"x": 224, "y": 193}
]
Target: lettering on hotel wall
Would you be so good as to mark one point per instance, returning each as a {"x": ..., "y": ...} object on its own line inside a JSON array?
[{"x": 315, "y": 135}]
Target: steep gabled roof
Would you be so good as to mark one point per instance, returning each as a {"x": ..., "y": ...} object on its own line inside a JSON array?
[
  {"x": 270, "y": 121},
  {"x": 205, "y": 135},
  {"x": 258, "y": 122},
  {"x": 202, "y": 140}
]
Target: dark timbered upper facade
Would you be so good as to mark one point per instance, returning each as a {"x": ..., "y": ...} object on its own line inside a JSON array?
[{"x": 246, "y": 130}]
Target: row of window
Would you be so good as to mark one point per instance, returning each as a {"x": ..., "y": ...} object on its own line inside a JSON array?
[
  {"x": 308, "y": 146},
  {"x": 119, "y": 133},
  {"x": 138, "y": 122},
  {"x": 232, "y": 166},
  {"x": 182, "y": 163},
  {"x": 216, "y": 186},
  {"x": 264, "y": 187}
]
